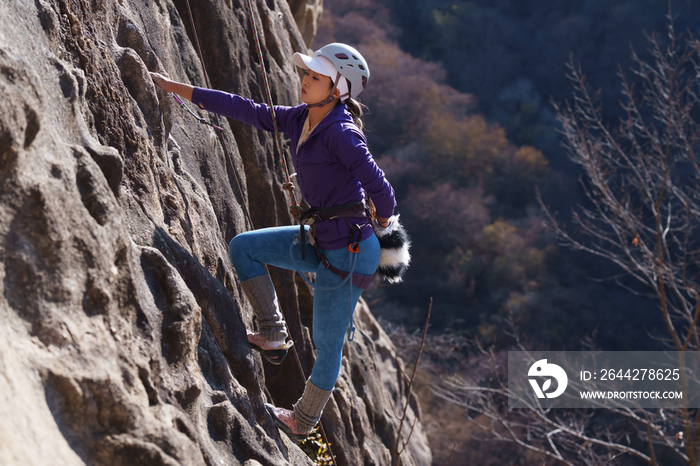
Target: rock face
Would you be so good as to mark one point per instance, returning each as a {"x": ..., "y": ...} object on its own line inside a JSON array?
[
  {"x": 307, "y": 13},
  {"x": 122, "y": 326}
]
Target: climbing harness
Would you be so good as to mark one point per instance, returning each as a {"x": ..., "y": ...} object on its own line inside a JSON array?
[
  {"x": 351, "y": 267},
  {"x": 317, "y": 214}
]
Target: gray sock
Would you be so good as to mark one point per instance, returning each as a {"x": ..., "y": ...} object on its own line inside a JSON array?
[
  {"x": 307, "y": 411},
  {"x": 261, "y": 294}
]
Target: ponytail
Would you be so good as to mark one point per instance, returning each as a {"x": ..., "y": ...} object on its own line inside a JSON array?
[{"x": 356, "y": 110}]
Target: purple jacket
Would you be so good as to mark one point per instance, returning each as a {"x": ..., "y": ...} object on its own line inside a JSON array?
[{"x": 333, "y": 166}]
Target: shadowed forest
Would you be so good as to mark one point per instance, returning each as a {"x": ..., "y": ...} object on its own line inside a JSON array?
[
  {"x": 461, "y": 119},
  {"x": 483, "y": 114}
]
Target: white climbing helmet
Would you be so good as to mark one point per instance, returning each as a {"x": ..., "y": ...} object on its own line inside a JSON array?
[
  {"x": 322, "y": 65},
  {"x": 349, "y": 63},
  {"x": 335, "y": 61}
]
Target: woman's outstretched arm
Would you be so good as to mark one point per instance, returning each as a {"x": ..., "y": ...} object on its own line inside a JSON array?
[{"x": 183, "y": 90}]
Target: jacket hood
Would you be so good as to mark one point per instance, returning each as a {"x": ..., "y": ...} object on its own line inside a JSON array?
[{"x": 339, "y": 113}]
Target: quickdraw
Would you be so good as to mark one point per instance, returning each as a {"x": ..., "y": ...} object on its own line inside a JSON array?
[{"x": 197, "y": 117}]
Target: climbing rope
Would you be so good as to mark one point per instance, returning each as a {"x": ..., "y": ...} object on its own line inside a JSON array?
[{"x": 295, "y": 209}]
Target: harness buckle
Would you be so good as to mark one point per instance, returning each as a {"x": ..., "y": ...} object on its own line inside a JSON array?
[{"x": 311, "y": 238}]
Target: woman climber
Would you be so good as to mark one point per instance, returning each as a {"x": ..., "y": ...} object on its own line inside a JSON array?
[{"x": 336, "y": 173}]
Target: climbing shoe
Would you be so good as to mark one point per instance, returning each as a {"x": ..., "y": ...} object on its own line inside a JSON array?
[
  {"x": 273, "y": 355},
  {"x": 285, "y": 421}
]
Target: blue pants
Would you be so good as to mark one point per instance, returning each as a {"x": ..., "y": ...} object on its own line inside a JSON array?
[{"x": 333, "y": 309}]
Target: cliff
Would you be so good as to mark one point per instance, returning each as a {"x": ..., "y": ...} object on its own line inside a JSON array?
[{"x": 122, "y": 335}]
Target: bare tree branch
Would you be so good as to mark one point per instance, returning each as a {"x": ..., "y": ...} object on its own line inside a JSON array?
[{"x": 641, "y": 181}]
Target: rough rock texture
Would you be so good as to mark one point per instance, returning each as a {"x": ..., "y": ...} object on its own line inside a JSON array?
[
  {"x": 307, "y": 13},
  {"x": 375, "y": 354},
  {"x": 122, "y": 327}
]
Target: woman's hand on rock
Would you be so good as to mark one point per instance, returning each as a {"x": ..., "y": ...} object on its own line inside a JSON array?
[
  {"x": 168, "y": 85},
  {"x": 160, "y": 81}
]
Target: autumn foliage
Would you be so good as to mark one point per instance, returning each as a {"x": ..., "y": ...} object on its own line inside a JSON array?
[{"x": 465, "y": 193}]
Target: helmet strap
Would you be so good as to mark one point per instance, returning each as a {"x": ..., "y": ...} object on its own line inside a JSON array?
[{"x": 330, "y": 97}]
